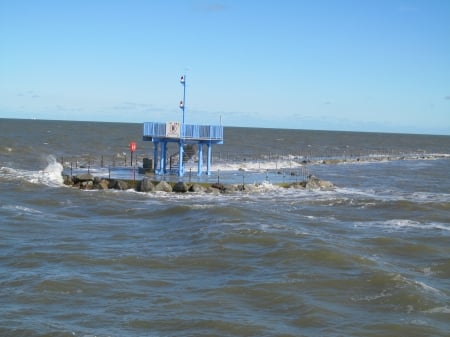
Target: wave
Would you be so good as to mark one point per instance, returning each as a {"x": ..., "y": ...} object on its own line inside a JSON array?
[
  {"x": 291, "y": 161},
  {"x": 400, "y": 224},
  {"x": 392, "y": 195},
  {"x": 50, "y": 176}
]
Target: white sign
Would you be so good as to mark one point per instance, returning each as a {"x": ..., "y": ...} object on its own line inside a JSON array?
[{"x": 173, "y": 129}]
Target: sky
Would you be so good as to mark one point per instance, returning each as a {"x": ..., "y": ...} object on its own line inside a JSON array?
[{"x": 362, "y": 65}]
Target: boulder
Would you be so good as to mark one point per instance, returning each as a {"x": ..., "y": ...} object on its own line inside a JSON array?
[
  {"x": 163, "y": 186},
  {"x": 103, "y": 184},
  {"x": 212, "y": 190},
  {"x": 219, "y": 186},
  {"x": 120, "y": 185},
  {"x": 196, "y": 188},
  {"x": 180, "y": 187},
  {"x": 146, "y": 185},
  {"x": 67, "y": 180},
  {"x": 301, "y": 184},
  {"x": 230, "y": 188},
  {"x": 316, "y": 183},
  {"x": 87, "y": 185},
  {"x": 84, "y": 177},
  {"x": 248, "y": 188}
]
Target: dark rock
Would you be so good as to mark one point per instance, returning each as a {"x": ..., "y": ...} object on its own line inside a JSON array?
[
  {"x": 180, "y": 187},
  {"x": 220, "y": 187}
]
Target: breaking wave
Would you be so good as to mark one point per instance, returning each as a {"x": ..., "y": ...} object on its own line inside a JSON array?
[{"x": 51, "y": 175}]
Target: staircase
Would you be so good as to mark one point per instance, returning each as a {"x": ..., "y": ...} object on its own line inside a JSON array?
[{"x": 189, "y": 151}]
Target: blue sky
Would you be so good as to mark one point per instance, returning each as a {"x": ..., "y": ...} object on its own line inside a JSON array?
[{"x": 366, "y": 65}]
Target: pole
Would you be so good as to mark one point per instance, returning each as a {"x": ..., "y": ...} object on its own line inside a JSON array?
[
  {"x": 183, "y": 82},
  {"x": 182, "y": 106}
]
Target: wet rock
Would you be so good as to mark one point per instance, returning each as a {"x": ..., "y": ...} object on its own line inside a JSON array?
[
  {"x": 230, "y": 188},
  {"x": 163, "y": 186},
  {"x": 103, "y": 184},
  {"x": 120, "y": 185},
  {"x": 180, "y": 187},
  {"x": 220, "y": 187},
  {"x": 196, "y": 188},
  {"x": 248, "y": 188},
  {"x": 301, "y": 184},
  {"x": 87, "y": 185},
  {"x": 67, "y": 180},
  {"x": 146, "y": 185},
  {"x": 316, "y": 183},
  {"x": 212, "y": 190},
  {"x": 83, "y": 177}
]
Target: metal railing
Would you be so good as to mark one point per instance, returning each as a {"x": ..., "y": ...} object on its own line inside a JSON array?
[{"x": 187, "y": 131}]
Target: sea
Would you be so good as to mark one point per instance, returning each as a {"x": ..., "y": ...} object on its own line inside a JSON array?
[{"x": 368, "y": 257}]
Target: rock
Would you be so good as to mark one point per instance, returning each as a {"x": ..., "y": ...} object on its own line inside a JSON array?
[
  {"x": 84, "y": 177},
  {"x": 218, "y": 186},
  {"x": 212, "y": 190},
  {"x": 120, "y": 185},
  {"x": 230, "y": 188},
  {"x": 87, "y": 185},
  {"x": 248, "y": 188},
  {"x": 180, "y": 187},
  {"x": 163, "y": 186},
  {"x": 316, "y": 183},
  {"x": 103, "y": 184},
  {"x": 331, "y": 161},
  {"x": 196, "y": 188},
  {"x": 67, "y": 180},
  {"x": 146, "y": 185},
  {"x": 301, "y": 184}
]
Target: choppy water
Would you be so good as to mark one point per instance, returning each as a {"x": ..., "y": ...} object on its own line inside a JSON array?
[{"x": 371, "y": 258}]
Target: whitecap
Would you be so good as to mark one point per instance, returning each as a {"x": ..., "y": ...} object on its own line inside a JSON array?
[
  {"x": 50, "y": 176},
  {"x": 438, "y": 310}
]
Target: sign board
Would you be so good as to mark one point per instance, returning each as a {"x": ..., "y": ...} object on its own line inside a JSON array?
[{"x": 173, "y": 129}]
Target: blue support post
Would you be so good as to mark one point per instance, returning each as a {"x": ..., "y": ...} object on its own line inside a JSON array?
[
  {"x": 180, "y": 161},
  {"x": 155, "y": 156},
  {"x": 164, "y": 157},
  {"x": 200, "y": 159},
  {"x": 208, "y": 165}
]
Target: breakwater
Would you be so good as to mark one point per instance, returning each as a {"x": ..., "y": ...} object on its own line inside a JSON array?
[{"x": 87, "y": 181}]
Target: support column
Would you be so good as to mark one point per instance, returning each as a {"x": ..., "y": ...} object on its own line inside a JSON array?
[
  {"x": 180, "y": 161},
  {"x": 155, "y": 157},
  {"x": 208, "y": 165},
  {"x": 164, "y": 155},
  {"x": 200, "y": 159}
]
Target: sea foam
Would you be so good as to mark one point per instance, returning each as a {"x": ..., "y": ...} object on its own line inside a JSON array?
[{"x": 50, "y": 176}]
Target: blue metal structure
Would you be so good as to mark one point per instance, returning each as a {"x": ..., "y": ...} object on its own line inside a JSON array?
[
  {"x": 174, "y": 132},
  {"x": 163, "y": 133}
]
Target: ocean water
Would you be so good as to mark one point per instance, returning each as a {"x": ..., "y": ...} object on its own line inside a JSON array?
[{"x": 369, "y": 258}]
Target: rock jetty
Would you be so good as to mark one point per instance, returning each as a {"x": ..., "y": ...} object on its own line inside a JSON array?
[{"x": 89, "y": 182}]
